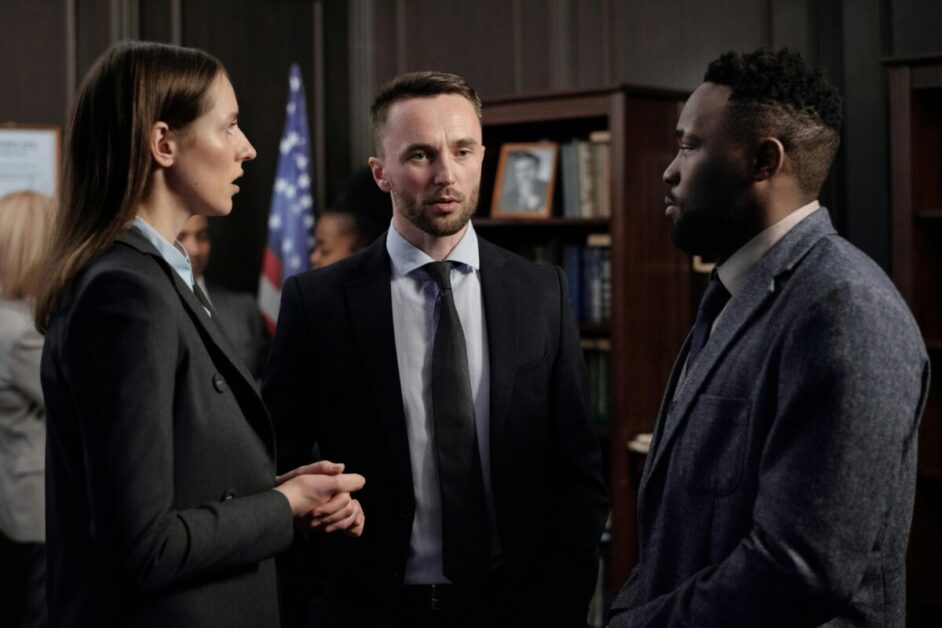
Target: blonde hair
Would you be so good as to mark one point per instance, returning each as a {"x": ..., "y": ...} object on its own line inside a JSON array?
[{"x": 25, "y": 226}]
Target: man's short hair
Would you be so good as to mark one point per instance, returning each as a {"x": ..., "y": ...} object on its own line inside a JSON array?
[
  {"x": 416, "y": 85},
  {"x": 776, "y": 93}
]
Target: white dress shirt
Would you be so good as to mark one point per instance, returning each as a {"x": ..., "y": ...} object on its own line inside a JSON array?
[{"x": 415, "y": 319}]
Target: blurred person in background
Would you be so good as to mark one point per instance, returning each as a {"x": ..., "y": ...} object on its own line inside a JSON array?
[
  {"x": 359, "y": 215},
  {"x": 25, "y": 219},
  {"x": 238, "y": 312}
]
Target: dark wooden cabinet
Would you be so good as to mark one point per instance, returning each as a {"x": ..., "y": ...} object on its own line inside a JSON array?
[
  {"x": 651, "y": 281},
  {"x": 915, "y": 86}
]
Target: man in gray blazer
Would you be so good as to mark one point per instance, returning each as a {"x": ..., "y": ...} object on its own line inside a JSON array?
[{"x": 779, "y": 486}]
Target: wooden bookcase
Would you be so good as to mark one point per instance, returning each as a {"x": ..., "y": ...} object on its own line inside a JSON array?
[
  {"x": 652, "y": 286},
  {"x": 915, "y": 86}
]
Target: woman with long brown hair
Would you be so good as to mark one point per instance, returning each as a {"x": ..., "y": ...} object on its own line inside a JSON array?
[{"x": 163, "y": 508}]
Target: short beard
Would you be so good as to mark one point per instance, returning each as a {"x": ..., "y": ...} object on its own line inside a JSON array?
[
  {"x": 715, "y": 235},
  {"x": 413, "y": 212}
]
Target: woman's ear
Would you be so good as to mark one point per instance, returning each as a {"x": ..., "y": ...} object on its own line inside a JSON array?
[
  {"x": 163, "y": 144},
  {"x": 770, "y": 157}
]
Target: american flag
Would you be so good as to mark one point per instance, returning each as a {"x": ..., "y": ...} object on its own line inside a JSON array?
[{"x": 291, "y": 219}]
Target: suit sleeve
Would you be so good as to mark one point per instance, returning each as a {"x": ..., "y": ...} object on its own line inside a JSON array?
[
  {"x": 582, "y": 492},
  {"x": 284, "y": 387},
  {"x": 119, "y": 357},
  {"x": 25, "y": 357},
  {"x": 841, "y": 450}
]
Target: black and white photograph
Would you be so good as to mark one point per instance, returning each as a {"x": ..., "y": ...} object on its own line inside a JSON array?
[{"x": 525, "y": 178}]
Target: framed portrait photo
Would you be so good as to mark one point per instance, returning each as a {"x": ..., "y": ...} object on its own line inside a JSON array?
[{"x": 526, "y": 175}]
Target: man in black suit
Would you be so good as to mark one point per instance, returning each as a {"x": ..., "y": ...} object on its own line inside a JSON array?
[
  {"x": 238, "y": 312},
  {"x": 457, "y": 388}
]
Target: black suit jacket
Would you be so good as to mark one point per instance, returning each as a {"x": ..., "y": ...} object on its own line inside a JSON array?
[
  {"x": 332, "y": 379},
  {"x": 160, "y": 458}
]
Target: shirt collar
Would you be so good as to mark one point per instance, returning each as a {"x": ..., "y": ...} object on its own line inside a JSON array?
[
  {"x": 407, "y": 258},
  {"x": 736, "y": 270},
  {"x": 174, "y": 254}
]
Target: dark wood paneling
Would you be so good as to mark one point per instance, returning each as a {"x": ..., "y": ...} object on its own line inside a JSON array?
[
  {"x": 337, "y": 95},
  {"x": 916, "y": 26},
  {"x": 156, "y": 19},
  {"x": 858, "y": 187},
  {"x": 669, "y": 44},
  {"x": 591, "y": 36},
  {"x": 473, "y": 39},
  {"x": 33, "y": 60},
  {"x": 93, "y": 26},
  {"x": 531, "y": 55},
  {"x": 257, "y": 42}
]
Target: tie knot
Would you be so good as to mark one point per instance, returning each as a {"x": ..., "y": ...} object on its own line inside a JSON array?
[
  {"x": 714, "y": 298},
  {"x": 441, "y": 273}
]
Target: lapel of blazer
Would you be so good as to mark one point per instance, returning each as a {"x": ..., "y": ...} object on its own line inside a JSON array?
[
  {"x": 500, "y": 292},
  {"x": 213, "y": 336},
  {"x": 369, "y": 301},
  {"x": 762, "y": 285}
]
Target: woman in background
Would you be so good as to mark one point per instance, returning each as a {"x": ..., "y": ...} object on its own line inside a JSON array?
[
  {"x": 25, "y": 219},
  {"x": 162, "y": 504},
  {"x": 360, "y": 214}
]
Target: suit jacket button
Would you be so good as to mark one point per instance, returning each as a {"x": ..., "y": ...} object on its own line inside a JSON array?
[
  {"x": 228, "y": 495},
  {"x": 219, "y": 383}
]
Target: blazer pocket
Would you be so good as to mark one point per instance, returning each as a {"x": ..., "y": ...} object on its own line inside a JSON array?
[{"x": 713, "y": 444}]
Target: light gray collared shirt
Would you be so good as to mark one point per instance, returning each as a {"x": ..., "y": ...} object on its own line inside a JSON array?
[
  {"x": 173, "y": 253},
  {"x": 415, "y": 319}
]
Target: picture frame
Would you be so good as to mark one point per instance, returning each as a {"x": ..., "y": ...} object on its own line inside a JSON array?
[
  {"x": 29, "y": 158},
  {"x": 526, "y": 180}
]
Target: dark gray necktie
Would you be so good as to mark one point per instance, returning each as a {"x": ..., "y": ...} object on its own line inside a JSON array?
[
  {"x": 714, "y": 298},
  {"x": 202, "y": 298},
  {"x": 465, "y": 546}
]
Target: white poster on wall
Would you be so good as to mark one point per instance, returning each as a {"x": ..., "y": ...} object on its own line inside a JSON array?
[{"x": 29, "y": 159}]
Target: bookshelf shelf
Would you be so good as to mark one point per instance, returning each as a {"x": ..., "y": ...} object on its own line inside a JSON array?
[
  {"x": 587, "y": 224},
  {"x": 623, "y": 257},
  {"x": 915, "y": 89}
]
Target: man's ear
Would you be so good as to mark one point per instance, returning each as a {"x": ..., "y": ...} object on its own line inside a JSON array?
[
  {"x": 379, "y": 173},
  {"x": 770, "y": 157},
  {"x": 163, "y": 144}
]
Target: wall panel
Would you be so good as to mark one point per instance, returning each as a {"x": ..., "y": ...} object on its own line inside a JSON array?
[
  {"x": 668, "y": 44},
  {"x": 257, "y": 42},
  {"x": 33, "y": 62}
]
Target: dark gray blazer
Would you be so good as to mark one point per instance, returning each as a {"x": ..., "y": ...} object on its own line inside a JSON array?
[
  {"x": 242, "y": 323},
  {"x": 160, "y": 458},
  {"x": 333, "y": 379},
  {"x": 779, "y": 487}
]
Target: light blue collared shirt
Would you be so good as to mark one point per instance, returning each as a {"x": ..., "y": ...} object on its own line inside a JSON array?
[
  {"x": 415, "y": 319},
  {"x": 174, "y": 254}
]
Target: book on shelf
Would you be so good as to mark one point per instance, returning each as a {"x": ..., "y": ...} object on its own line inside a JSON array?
[
  {"x": 599, "y": 366},
  {"x": 589, "y": 271},
  {"x": 586, "y": 176}
]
